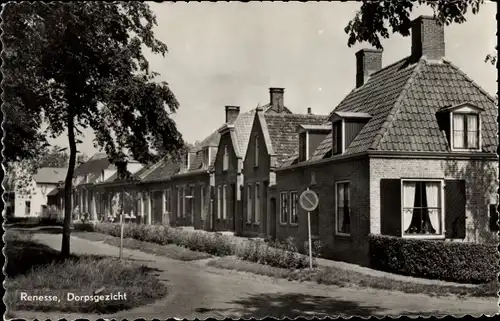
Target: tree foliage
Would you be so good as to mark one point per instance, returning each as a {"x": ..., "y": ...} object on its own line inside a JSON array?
[
  {"x": 373, "y": 20},
  {"x": 80, "y": 65}
]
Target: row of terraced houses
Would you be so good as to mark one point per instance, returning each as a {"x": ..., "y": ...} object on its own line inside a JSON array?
[{"x": 409, "y": 152}]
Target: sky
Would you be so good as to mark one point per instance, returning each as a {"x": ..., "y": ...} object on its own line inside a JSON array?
[{"x": 224, "y": 53}]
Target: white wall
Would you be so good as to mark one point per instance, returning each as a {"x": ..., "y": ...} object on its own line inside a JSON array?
[{"x": 34, "y": 193}]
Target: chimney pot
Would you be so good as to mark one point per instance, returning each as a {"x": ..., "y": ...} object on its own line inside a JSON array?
[
  {"x": 309, "y": 110},
  {"x": 277, "y": 103},
  {"x": 232, "y": 113},
  {"x": 427, "y": 38},
  {"x": 368, "y": 61}
]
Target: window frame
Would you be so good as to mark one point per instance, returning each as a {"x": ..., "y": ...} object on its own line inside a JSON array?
[
  {"x": 249, "y": 217},
  {"x": 225, "y": 159},
  {"x": 340, "y": 149},
  {"x": 179, "y": 203},
  {"x": 219, "y": 202},
  {"x": 337, "y": 183},
  {"x": 202, "y": 202},
  {"x": 224, "y": 202},
  {"x": 256, "y": 151},
  {"x": 465, "y": 132},
  {"x": 442, "y": 235},
  {"x": 284, "y": 196},
  {"x": 294, "y": 207},
  {"x": 256, "y": 202}
]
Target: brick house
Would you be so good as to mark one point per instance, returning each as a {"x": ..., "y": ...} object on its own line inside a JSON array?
[
  {"x": 96, "y": 186},
  {"x": 274, "y": 139},
  {"x": 228, "y": 169},
  {"x": 411, "y": 153},
  {"x": 192, "y": 185}
]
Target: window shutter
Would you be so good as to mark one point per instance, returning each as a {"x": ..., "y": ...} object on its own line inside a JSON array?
[
  {"x": 454, "y": 202},
  {"x": 390, "y": 207}
]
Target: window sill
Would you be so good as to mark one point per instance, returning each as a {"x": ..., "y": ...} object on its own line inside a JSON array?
[
  {"x": 343, "y": 235},
  {"x": 283, "y": 224},
  {"x": 424, "y": 236},
  {"x": 294, "y": 224},
  {"x": 248, "y": 223},
  {"x": 465, "y": 150},
  {"x": 256, "y": 223}
]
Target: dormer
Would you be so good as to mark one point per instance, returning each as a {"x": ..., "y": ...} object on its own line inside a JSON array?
[
  {"x": 186, "y": 158},
  {"x": 205, "y": 156},
  {"x": 310, "y": 136},
  {"x": 345, "y": 127},
  {"x": 462, "y": 126}
]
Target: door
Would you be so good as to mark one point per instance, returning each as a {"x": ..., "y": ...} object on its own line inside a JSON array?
[
  {"x": 156, "y": 209},
  {"x": 272, "y": 219}
]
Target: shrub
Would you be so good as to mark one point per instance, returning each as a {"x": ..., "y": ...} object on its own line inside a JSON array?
[
  {"x": 281, "y": 255},
  {"x": 84, "y": 227},
  {"x": 197, "y": 241},
  {"x": 450, "y": 261}
]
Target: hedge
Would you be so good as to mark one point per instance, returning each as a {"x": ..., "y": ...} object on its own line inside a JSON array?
[{"x": 435, "y": 259}]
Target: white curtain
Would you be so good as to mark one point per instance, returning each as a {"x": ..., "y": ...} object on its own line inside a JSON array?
[
  {"x": 458, "y": 131},
  {"x": 432, "y": 191},
  {"x": 409, "y": 203},
  {"x": 472, "y": 131},
  {"x": 340, "y": 207}
]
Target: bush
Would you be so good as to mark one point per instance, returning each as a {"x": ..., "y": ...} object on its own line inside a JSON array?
[
  {"x": 281, "y": 255},
  {"x": 84, "y": 227},
  {"x": 214, "y": 244},
  {"x": 450, "y": 261}
]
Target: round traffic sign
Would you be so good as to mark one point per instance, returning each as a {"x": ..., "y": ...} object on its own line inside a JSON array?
[{"x": 309, "y": 200}]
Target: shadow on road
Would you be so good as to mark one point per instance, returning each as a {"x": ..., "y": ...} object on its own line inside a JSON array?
[{"x": 292, "y": 305}]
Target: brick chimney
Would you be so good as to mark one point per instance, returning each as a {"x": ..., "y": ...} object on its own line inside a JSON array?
[
  {"x": 427, "y": 38},
  {"x": 368, "y": 61},
  {"x": 309, "y": 110},
  {"x": 277, "y": 99},
  {"x": 232, "y": 113}
]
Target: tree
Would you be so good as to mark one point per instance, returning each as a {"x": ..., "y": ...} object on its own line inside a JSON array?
[
  {"x": 81, "y": 65},
  {"x": 372, "y": 20}
]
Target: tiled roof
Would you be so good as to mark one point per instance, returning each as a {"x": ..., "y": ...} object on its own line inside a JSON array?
[
  {"x": 211, "y": 141},
  {"x": 165, "y": 170},
  {"x": 95, "y": 164},
  {"x": 243, "y": 129},
  {"x": 270, "y": 109},
  {"x": 52, "y": 175},
  {"x": 283, "y": 133},
  {"x": 55, "y": 191},
  {"x": 403, "y": 99}
]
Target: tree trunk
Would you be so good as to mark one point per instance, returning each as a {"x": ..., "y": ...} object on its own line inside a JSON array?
[{"x": 68, "y": 187}]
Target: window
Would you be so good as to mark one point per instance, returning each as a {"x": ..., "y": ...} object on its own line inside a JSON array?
[
  {"x": 219, "y": 202},
  {"x": 206, "y": 157},
  {"x": 225, "y": 159},
  {"x": 257, "y": 203},
  {"x": 422, "y": 207},
  {"x": 179, "y": 196},
  {"x": 202, "y": 202},
  {"x": 191, "y": 201},
  {"x": 249, "y": 203},
  {"x": 294, "y": 218},
  {"x": 186, "y": 161},
  {"x": 224, "y": 202},
  {"x": 27, "y": 207},
  {"x": 256, "y": 156},
  {"x": 302, "y": 147},
  {"x": 283, "y": 207},
  {"x": 337, "y": 138},
  {"x": 166, "y": 200},
  {"x": 184, "y": 211},
  {"x": 465, "y": 131},
  {"x": 343, "y": 208},
  {"x": 493, "y": 217}
]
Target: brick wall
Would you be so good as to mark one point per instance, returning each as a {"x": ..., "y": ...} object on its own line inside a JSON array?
[
  {"x": 229, "y": 178},
  {"x": 194, "y": 181},
  {"x": 480, "y": 179},
  {"x": 353, "y": 248},
  {"x": 256, "y": 174}
]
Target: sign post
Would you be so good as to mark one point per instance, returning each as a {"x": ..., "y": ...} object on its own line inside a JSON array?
[{"x": 309, "y": 201}]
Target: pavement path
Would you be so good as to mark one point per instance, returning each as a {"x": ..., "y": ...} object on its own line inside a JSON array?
[{"x": 198, "y": 291}]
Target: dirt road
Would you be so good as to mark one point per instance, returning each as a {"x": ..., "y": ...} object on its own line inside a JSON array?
[{"x": 198, "y": 291}]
